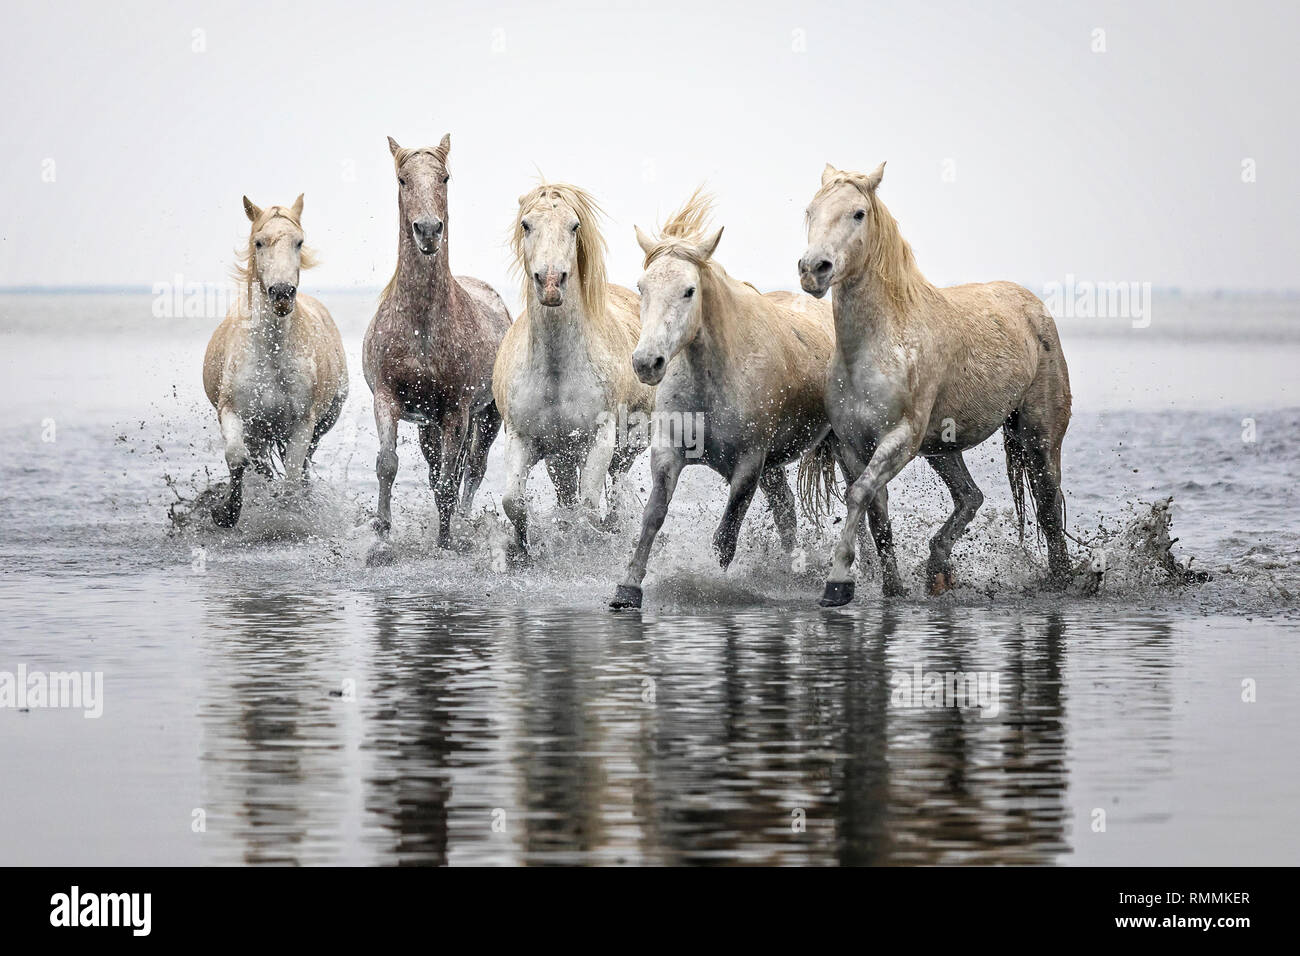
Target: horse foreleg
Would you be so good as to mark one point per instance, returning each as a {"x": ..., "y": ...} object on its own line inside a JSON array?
[
  {"x": 744, "y": 482},
  {"x": 893, "y": 452},
  {"x": 591, "y": 480},
  {"x": 232, "y": 433},
  {"x": 877, "y": 516},
  {"x": 388, "y": 412},
  {"x": 521, "y": 455},
  {"x": 966, "y": 500},
  {"x": 776, "y": 488},
  {"x": 296, "y": 451},
  {"x": 666, "y": 466}
]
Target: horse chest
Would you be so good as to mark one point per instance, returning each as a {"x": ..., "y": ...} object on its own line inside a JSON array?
[
  {"x": 273, "y": 391},
  {"x": 554, "y": 407},
  {"x": 865, "y": 398}
]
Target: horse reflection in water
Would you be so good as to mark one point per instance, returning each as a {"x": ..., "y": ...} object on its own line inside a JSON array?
[
  {"x": 503, "y": 738},
  {"x": 274, "y": 755}
]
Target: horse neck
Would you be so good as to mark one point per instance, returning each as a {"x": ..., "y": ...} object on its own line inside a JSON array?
[
  {"x": 268, "y": 331},
  {"x": 877, "y": 302},
  {"x": 424, "y": 291},
  {"x": 558, "y": 337},
  {"x": 866, "y": 313},
  {"x": 710, "y": 352}
]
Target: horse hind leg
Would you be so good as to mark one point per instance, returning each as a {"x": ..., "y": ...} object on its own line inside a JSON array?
[
  {"x": 564, "y": 476},
  {"x": 966, "y": 500},
  {"x": 780, "y": 497},
  {"x": 483, "y": 431},
  {"x": 324, "y": 424},
  {"x": 744, "y": 482},
  {"x": 431, "y": 448},
  {"x": 451, "y": 468},
  {"x": 1033, "y": 436}
]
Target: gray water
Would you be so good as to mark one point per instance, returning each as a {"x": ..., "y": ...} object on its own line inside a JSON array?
[{"x": 307, "y": 709}]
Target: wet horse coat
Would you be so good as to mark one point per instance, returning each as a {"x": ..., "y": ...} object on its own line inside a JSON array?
[
  {"x": 925, "y": 371},
  {"x": 428, "y": 353},
  {"x": 752, "y": 366},
  {"x": 275, "y": 369}
]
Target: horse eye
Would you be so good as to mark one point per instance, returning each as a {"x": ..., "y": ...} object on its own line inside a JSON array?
[
  {"x": 258, "y": 243},
  {"x": 690, "y": 292},
  {"x": 574, "y": 228},
  {"x": 527, "y": 227},
  {"x": 446, "y": 178},
  {"x": 401, "y": 181},
  {"x": 298, "y": 244},
  {"x": 860, "y": 215}
]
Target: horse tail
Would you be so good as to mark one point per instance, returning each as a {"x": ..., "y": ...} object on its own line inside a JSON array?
[
  {"x": 816, "y": 481},
  {"x": 1017, "y": 469}
]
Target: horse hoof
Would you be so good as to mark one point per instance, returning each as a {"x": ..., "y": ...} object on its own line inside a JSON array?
[
  {"x": 380, "y": 526},
  {"x": 380, "y": 555},
  {"x": 941, "y": 583},
  {"x": 837, "y": 593},
  {"x": 518, "y": 558},
  {"x": 626, "y": 595}
]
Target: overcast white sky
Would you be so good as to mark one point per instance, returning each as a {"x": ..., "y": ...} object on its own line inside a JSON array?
[{"x": 1122, "y": 165}]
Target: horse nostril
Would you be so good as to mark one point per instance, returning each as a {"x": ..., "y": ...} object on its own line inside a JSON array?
[
  {"x": 823, "y": 267},
  {"x": 658, "y": 364},
  {"x": 437, "y": 227},
  {"x": 564, "y": 277},
  {"x": 537, "y": 277}
]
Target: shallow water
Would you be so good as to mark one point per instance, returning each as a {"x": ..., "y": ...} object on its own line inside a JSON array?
[{"x": 441, "y": 710}]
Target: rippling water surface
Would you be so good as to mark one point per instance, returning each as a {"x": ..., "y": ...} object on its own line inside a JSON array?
[{"x": 269, "y": 699}]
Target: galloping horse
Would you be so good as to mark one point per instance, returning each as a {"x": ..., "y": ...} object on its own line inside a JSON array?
[
  {"x": 275, "y": 369},
  {"x": 428, "y": 352},
  {"x": 563, "y": 377},
  {"x": 752, "y": 366},
  {"x": 925, "y": 371}
]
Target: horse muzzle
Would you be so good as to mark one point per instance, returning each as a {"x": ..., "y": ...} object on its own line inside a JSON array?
[
  {"x": 815, "y": 279},
  {"x": 550, "y": 287},
  {"x": 282, "y": 296},
  {"x": 650, "y": 370},
  {"x": 427, "y": 234}
]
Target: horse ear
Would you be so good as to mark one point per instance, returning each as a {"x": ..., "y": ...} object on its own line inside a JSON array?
[
  {"x": 297, "y": 207},
  {"x": 876, "y": 176},
  {"x": 251, "y": 210},
  {"x": 444, "y": 147},
  {"x": 392, "y": 146},
  {"x": 710, "y": 244},
  {"x": 828, "y": 173},
  {"x": 645, "y": 242}
]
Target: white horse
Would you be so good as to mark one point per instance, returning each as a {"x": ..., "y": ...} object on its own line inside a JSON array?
[
  {"x": 275, "y": 369},
  {"x": 751, "y": 367},
  {"x": 563, "y": 376},
  {"x": 925, "y": 371}
]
